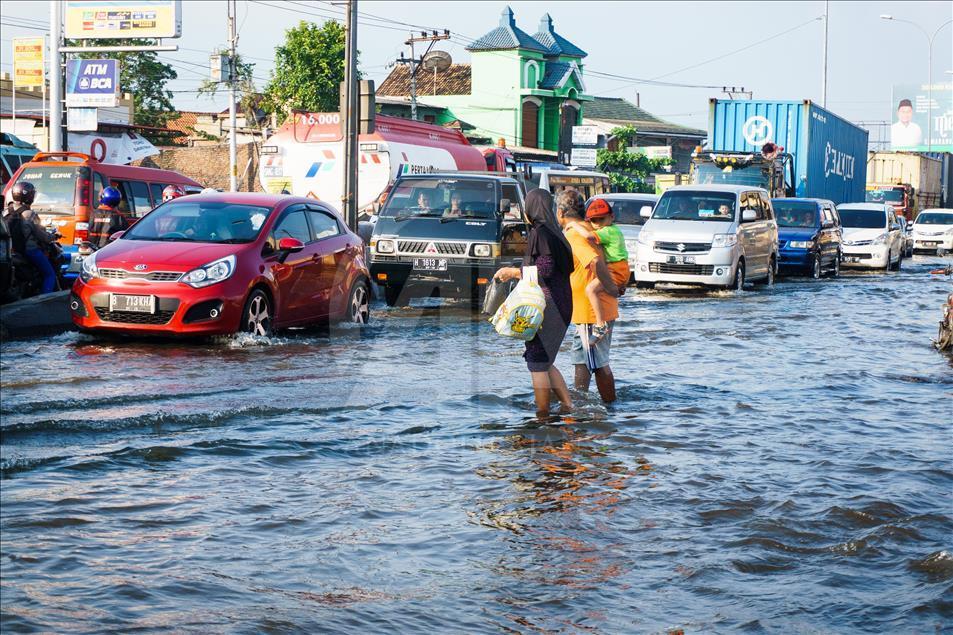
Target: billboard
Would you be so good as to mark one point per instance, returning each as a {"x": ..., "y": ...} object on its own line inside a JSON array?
[
  {"x": 99, "y": 19},
  {"x": 92, "y": 83},
  {"x": 28, "y": 62},
  {"x": 915, "y": 125}
]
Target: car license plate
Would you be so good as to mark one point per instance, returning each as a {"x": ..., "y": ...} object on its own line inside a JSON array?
[
  {"x": 681, "y": 260},
  {"x": 851, "y": 259},
  {"x": 132, "y": 303},
  {"x": 931, "y": 243},
  {"x": 430, "y": 264}
]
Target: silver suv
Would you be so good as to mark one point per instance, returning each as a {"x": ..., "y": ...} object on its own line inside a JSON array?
[{"x": 711, "y": 235}]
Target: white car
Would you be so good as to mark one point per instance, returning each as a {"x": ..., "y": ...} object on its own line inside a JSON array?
[
  {"x": 627, "y": 210},
  {"x": 933, "y": 231},
  {"x": 711, "y": 235},
  {"x": 872, "y": 237}
]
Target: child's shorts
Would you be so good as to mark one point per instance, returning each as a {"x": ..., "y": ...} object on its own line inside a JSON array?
[{"x": 620, "y": 272}]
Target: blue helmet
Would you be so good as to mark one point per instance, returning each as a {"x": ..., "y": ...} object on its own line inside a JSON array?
[{"x": 110, "y": 197}]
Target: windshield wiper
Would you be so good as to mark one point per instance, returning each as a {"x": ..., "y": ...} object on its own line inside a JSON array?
[
  {"x": 447, "y": 219},
  {"x": 406, "y": 216}
]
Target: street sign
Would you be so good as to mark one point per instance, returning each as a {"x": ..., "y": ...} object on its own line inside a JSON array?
[
  {"x": 28, "y": 62},
  {"x": 585, "y": 135},
  {"x": 219, "y": 71},
  {"x": 583, "y": 157},
  {"x": 92, "y": 83},
  {"x": 82, "y": 119},
  {"x": 652, "y": 152},
  {"x": 98, "y": 19}
]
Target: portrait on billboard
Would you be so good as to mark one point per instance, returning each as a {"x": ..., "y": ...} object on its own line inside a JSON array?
[{"x": 905, "y": 133}]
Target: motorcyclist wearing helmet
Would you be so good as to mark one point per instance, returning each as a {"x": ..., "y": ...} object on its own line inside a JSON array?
[
  {"x": 172, "y": 192},
  {"x": 28, "y": 235},
  {"x": 107, "y": 219}
]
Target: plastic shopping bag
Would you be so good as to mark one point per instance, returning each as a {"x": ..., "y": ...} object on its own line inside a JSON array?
[
  {"x": 496, "y": 294},
  {"x": 521, "y": 314}
]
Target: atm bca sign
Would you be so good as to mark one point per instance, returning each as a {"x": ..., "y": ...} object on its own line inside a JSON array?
[{"x": 92, "y": 83}]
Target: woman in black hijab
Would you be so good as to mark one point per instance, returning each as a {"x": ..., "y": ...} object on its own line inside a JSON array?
[{"x": 547, "y": 250}]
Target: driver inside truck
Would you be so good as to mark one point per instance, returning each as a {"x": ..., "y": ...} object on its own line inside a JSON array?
[{"x": 423, "y": 201}]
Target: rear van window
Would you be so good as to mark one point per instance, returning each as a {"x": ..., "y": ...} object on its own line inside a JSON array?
[{"x": 55, "y": 187}]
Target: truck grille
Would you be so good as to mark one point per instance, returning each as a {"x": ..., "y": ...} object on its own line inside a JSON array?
[
  {"x": 687, "y": 248},
  {"x": 689, "y": 270},
  {"x": 154, "y": 276},
  {"x": 420, "y": 246},
  {"x": 125, "y": 317}
]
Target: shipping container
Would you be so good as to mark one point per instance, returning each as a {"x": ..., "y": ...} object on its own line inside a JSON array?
[
  {"x": 918, "y": 176},
  {"x": 830, "y": 153},
  {"x": 946, "y": 176}
]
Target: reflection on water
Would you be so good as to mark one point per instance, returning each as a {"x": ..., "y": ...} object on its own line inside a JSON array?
[{"x": 778, "y": 461}]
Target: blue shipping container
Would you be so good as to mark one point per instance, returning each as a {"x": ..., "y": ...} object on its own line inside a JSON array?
[{"x": 830, "y": 153}]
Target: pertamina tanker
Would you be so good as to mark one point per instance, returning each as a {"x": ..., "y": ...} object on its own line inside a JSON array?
[{"x": 306, "y": 156}]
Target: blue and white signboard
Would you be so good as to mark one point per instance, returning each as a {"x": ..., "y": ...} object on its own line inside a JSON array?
[{"x": 92, "y": 83}]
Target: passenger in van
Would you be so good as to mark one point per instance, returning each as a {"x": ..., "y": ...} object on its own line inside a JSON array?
[
  {"x": 455, "y": 210},
  {"x": 108, "y": 218},
  {"x": 724, "y": 211}
]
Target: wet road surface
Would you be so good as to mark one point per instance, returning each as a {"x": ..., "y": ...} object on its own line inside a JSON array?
[{"x": 779, "y": 461}]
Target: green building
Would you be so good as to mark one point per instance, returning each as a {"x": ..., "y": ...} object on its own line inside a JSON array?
[{"x": 525, "y": 89}]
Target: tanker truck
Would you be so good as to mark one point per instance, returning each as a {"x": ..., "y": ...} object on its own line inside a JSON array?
[
  {"x": 813, "y": 152},
  {"x": 305, "y": 157}
]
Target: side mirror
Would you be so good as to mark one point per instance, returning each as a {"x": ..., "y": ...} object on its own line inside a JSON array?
[
  {"x": 288, "y": 246},
  {"x": 646, "y": 211},
  {"x": 505, "y": 206},
  {"x": 748, "y": 215},
  {"x": 116, "y": 236},
  {"x": 827, "y": 224}
]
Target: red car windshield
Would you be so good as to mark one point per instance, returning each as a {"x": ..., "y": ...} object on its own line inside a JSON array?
[{"x": 184, "y": 220}]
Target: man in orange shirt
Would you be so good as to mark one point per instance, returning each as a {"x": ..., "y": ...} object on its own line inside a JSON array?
[{"x": 588, "y": 264}]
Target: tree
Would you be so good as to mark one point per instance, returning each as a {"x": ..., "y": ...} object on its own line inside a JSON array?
[
  {"x": 309, "y": 68},
  {"x": 627, "y": 171},
  {"x": 142, "y": 74}
]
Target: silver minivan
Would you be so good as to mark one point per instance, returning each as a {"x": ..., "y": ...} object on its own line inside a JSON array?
[{"x": 710, "y": 235}]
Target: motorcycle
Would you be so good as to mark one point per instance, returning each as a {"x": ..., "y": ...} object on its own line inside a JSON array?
[
  {"x": 944, "y": 336},
  {"x": 27, "y": 281}
]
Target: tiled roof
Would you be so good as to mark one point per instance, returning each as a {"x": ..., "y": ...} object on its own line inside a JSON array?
[
  {"x": 555, "y": 72},
  {"x": 185, "y": 122},
  {"x": 619, "y": 111},
  {"x": 506, "y": 36},
  {"x": 555, "y": 43},
  {"x": 453, "y": 81}
]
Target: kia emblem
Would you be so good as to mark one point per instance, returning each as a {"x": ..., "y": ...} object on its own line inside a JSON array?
[{"x": 141, "y": 267}]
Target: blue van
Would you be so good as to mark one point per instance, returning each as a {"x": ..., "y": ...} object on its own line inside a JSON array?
[{"x": 809, "y": 237}]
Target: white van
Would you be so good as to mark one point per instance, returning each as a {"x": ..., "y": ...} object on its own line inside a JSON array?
[
  {"x": 711, "y": 235},
  {"x": 872, "y": 236}
]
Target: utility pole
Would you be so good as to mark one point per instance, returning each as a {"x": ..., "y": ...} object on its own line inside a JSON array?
[
  {"x": 56, "y": 79},
  {"x": 351, "y": 113},
  {"x": 824, "y": 74},
  {"x": 232, "y": 72},
  {"x": 433, "y": 37}
]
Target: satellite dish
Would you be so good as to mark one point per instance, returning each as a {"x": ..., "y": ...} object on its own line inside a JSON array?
[{"x": 436, "y": 61}]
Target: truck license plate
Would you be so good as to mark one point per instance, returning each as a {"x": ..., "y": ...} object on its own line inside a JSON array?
[
  {"x": 681, "y": 260},
  {"x": 132, "y": 303},
  {"x": 430, "y": 264}
]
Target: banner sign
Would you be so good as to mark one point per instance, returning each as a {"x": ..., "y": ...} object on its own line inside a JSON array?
[
  {"x": 583, "y": 157},
  {"x": 916, "y": 124},
  {"x": 92, "y": 83},
  {"x": 652, "y": 152},
  {"x": 28, "y": 62},
  {"x": 82, "y": 119},
  {"x": 119, "y": 147},
  {"x": 585, "y": 135},
  {"x": 97, "y": 19}
]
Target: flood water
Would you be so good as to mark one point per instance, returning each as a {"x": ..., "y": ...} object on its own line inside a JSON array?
[{"x": 779, "y": 461}]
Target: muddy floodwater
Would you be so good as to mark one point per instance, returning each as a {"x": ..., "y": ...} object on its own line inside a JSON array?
[{"x": 779, "y": 461}]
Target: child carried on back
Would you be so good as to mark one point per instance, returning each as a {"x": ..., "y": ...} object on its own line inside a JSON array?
[{"x": 606, "y": 234}]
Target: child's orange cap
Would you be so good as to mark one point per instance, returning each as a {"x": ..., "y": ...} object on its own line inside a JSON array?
[{"x": 598, "y": 207}]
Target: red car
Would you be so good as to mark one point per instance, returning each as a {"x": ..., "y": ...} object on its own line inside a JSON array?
[{"x": 213, "y": 264}]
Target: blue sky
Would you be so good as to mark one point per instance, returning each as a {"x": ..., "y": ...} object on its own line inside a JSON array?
[{"x": 644, "y": 40}]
